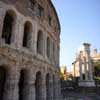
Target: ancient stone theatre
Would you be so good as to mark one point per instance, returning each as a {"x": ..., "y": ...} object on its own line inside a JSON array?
[{"x": 29, "y": 50}]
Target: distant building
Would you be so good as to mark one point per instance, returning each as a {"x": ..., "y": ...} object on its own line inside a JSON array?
[{"x": 95, "y": 56}]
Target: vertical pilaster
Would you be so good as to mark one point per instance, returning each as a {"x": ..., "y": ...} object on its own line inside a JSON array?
[
  {"x": 43, "y": 88},
  {"x": 29, "y": 88},
  {"x": 45, "y": 45},
  {"x": 51, "y": 87},
  {"x": 2, "y": 16},
  {"x": 18, "y": 31},
  {"x": 34, "y": 36},
  {"x": 11, "y": 85},
  {"x": 54, "y": 87},
  {"x": 15, "y": 29},
  {"x": 59, "y": 90}
]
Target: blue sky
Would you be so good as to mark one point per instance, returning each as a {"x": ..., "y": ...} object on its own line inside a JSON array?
[{"x": 80, "y": 22}]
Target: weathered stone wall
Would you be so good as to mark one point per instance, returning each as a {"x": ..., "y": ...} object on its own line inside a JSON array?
[
  {"x": 24, "y": 7},
  {"x": 15, "y": 58}
]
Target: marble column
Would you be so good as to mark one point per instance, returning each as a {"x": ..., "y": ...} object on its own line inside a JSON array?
[
  {"x": 90, "y": 71},
  {"x": 18, "y": 31},
  {"x": 80, "y": 66},
  {"x": 85, "y": 66}
]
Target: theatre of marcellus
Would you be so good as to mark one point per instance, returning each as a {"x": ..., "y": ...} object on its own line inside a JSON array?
[{"x": 29, "y": 50}]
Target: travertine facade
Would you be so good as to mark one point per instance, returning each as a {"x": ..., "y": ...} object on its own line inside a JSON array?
[
  {"x": 29, "y": 50},
  {"x": 83, "y": 67}
]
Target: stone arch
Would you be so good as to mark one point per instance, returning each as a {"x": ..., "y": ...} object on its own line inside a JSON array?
[
  {"x": 8, "y": 25},
  {"x": 48, "y": 47},
  {"x": 27, "y": 34},
  {"x": 38, "y": 86},
  {"x": 47, "y": 86},
  {"x": 23, "y": 81},
  {"x": 3, "y": 73},
  {"x": 40, "y": 42}
]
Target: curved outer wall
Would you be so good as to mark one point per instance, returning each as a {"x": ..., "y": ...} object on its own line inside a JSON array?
[{"x": 39, "y": 17}]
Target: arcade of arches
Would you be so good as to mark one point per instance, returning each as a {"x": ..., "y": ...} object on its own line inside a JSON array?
[
  {"x": 29, "y": 60},
  {"x": 23, "y": 83}
]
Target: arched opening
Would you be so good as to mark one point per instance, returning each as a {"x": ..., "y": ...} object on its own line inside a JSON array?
[
  {"x": 22, "y": 84},
  {"x": 48, "y": 47},
  {"x": 40, "y": 42},
  {"x": 8, "y": 25},
  {"x": 47, "y": 87},
  {"x": 27, "y": 34},
  {"x": 38, "y": 86},
  {"x": 2, "y": 81}
]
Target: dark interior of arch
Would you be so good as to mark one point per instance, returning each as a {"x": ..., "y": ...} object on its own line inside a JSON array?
[
  {"x": 22, "y": 84},
  {"x": 2, "y": 81},
  {"x": 26, "y": 37},
  {"x": 7, "y": 27},
  {"x": 38, "y": 86}
]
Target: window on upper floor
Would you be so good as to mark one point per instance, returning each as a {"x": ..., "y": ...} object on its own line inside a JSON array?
[
  {"x": 49, "y": 19},
  {"x": 8, "y": 25},
  {"x": 32, "y": 3},
  {"x": 40, "y": 11},
  {"x": 27, "y": 34}
]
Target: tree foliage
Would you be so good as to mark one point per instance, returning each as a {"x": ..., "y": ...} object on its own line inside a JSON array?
[{"x": 97, "y": 68}]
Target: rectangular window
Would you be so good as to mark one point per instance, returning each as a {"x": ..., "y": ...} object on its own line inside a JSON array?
[
  {"x": 49, "y": 20},
  {"x": 40, "y": 11},
  {"x": 32, "y": 4}
]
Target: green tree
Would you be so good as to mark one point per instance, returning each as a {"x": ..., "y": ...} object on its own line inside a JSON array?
[{"x": 97, "y": 69}]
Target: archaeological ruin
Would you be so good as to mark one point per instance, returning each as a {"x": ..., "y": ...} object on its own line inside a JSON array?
[{"x": 83, "y": 67}]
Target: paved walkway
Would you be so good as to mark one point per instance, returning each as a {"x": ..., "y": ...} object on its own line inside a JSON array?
[{"x": 74, "y": 95}]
